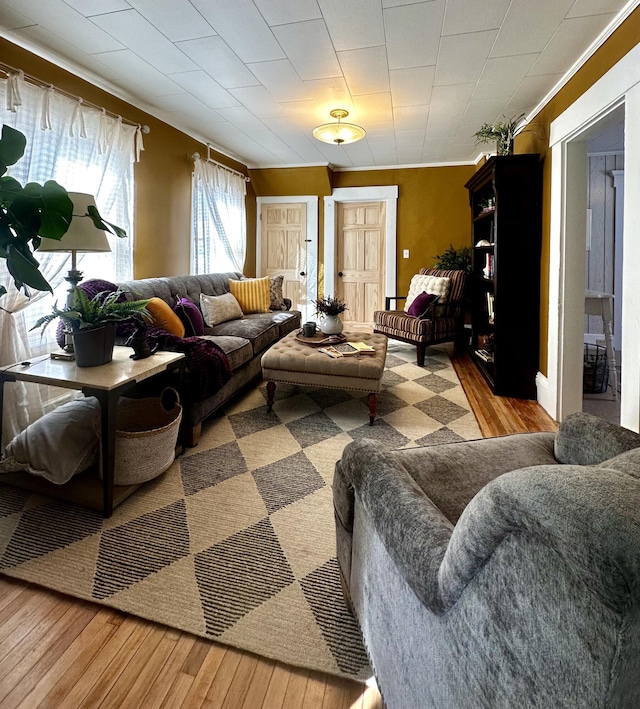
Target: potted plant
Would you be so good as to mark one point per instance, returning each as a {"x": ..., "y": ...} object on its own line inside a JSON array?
[
  {"x": 328, "y": 309},
  {"x": 92, "y": 323},
  {"x": 31, "y": 212},
  {"x": 500, "y": 132},
  {"x": 454, "y": 259}
]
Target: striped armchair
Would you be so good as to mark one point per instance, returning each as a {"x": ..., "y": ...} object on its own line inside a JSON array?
[{"x": 443, "y": 323}]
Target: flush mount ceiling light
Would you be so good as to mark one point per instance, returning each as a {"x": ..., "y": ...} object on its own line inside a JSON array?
[{"x": 339, "y": 133}]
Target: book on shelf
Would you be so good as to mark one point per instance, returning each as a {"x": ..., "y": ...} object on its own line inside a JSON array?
[
  {"x": 484, "y": 355},
  {"x": 489, "y": 261},
  {"x": 490, "y": 307}
]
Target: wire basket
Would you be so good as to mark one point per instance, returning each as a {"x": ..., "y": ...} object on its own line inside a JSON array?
[
  {"x": 146, "y": 437},
  {"x": 595, "y": 378}
]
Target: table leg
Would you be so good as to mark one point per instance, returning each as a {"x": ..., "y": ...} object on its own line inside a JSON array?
[
  {"x": 372, "y": 399},
  {"x": 271, "y": 390},
  {"x": 108, "y": 408}
]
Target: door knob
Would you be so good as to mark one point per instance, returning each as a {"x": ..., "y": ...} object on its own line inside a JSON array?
[
  {"x": 340, "y": 274},
  {"x": 302, "y": 273}
]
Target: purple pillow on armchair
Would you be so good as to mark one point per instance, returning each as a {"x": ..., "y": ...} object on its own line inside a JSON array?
[
  {"x": 421, "y": 304},
  {"x": 191, "y": 317}
]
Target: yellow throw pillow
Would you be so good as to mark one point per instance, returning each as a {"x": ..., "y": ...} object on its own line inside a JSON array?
[
  {"x": 164, "y": 317},
  {"x": 252, "y": 294}
]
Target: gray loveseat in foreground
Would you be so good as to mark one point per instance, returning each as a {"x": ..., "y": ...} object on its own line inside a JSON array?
[
  {"x": 497, "y": 573},
  {"x": 243, "y": 340}
]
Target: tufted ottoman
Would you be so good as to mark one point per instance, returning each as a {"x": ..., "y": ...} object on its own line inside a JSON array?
[{"x": 295, "y": 362}]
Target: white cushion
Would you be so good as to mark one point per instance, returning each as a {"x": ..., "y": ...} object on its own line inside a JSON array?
[
  {"x": 427, "y": 284},
  {"x": 220, "y": 308},
  {"x": 61, "y": 443}
]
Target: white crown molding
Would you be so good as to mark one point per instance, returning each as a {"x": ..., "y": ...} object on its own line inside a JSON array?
[
  {"x": 293, "y": 165},
  {"x": 585, "y": 56},
  {"x": 413, "y": 166}
]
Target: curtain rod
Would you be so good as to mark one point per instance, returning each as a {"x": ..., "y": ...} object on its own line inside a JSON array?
[
  {"x": 7, "y": 69},
  {"x": 197, "y": 156}
]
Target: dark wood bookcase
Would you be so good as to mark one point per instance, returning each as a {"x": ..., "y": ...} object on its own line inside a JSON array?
[{"x": 505, "y": 196}]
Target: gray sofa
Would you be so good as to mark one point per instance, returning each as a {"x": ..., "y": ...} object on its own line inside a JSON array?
[
  {"x": 243, "y": 341},
  {"x": 497, "y": 573}
]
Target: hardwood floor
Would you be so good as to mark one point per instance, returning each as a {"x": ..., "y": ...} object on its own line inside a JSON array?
[{"x": 56, "y": 651}]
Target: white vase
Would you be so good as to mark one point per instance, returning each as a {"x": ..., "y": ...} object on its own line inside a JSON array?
[{"x": 331, "y": 325}]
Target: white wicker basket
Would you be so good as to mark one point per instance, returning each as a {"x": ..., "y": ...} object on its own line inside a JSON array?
[{"x": 146, "y": 437}]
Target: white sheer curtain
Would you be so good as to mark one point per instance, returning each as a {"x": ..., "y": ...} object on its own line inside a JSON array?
[
  {"x": 85, "y": 151},
  {"x": 219, "y": 239}
]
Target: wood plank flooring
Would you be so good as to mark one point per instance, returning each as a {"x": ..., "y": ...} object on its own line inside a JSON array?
[{"x": 56, "y": 651}]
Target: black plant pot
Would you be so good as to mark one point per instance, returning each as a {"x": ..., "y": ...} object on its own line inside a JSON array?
[{"x": 94, "y": 346}]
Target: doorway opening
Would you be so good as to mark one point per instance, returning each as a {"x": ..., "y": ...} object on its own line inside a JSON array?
[
  {"x": 602, "y": 375},
  {"x": 560, "y": 391}
]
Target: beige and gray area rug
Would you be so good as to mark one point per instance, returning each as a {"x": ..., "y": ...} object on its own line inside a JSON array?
[{"x": 235, "y": 542}]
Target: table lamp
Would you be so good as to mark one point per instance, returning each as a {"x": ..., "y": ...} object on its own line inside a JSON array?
[{"x": 81, "y": 237}]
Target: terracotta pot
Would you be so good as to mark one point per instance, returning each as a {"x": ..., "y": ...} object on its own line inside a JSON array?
[{"x": 94, "y": 346}]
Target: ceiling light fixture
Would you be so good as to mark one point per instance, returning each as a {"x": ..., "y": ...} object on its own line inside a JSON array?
[{"x": 339, "y": 133}]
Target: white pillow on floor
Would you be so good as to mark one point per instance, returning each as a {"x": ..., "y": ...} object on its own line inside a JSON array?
[{"x": 61, "y": 443}]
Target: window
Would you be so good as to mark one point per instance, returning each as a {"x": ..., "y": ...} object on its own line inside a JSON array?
[
  {"x": 85, "y": 151},
  {"x": 219, "y": 219}
]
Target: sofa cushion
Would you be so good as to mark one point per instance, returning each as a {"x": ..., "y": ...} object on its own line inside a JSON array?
[
  {"x": 259, "y": 329},
  {"x": 164, "y": 317},
  {"x": 275, "y": 293},
  {"x": 190, "y": 316},
  {"x": 237, "y": 349},
  {"x": 286, "y": 321},
  {"x": 252, "y": 294},
  {"x": 217, "y": 309}
]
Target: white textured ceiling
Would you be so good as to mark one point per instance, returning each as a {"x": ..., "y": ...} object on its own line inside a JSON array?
[{"x": 254, "y": 77}]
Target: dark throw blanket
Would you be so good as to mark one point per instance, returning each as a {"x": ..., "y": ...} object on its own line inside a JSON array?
[{"x": 207, "y": 365}]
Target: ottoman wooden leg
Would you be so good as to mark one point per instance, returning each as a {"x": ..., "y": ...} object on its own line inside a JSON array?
[
  {"x": 271, "y": 390},
  {"x": 373, "y": 401}
]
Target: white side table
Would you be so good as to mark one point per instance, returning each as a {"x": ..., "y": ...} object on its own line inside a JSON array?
[
  {"x": 601, "y": 304},
  {"x": 107, "y": 383}
]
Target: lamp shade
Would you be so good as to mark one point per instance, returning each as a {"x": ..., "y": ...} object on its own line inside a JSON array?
[
  {"x": 339, "y": 133},
  {"x": 82, "y": 236}
]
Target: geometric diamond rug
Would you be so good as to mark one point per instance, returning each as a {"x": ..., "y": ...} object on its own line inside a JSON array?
[{"x": 235, "y": 542}]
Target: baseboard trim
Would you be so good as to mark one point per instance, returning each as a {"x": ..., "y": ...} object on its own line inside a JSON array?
[{"x": 544, "y": 396}]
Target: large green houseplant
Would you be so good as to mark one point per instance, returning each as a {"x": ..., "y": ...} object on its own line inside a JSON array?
[
  {"x": 30, "y": 212},
  {"x": 452, "y": 258}
]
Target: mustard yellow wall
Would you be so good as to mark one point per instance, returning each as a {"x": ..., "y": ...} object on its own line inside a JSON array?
[
  {"x": 162, "y": 214},
  {"x": 433, "y": 207},
  {"x": 537, "y": 139},
  {"x": 433, "y": 211}
]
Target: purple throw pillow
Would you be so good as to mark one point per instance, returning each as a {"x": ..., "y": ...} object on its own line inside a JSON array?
[
  {"x": 420, "y": 305},
  {"x": 191, "y": 317}
]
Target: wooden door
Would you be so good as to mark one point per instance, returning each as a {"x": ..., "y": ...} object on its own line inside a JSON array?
[
  {"x": 360, "y": 259},
  {"x": 284, "y": 248}
]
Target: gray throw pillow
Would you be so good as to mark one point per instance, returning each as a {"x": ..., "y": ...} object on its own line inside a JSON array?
[
  {"x": 217, "y": 309},
  {"x": 61, "y": 443}
]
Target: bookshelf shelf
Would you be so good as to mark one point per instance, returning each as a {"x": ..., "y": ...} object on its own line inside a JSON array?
[{"x": 505, "y": 283}]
